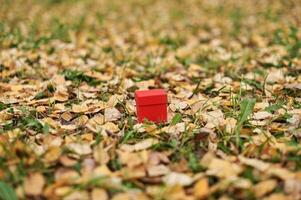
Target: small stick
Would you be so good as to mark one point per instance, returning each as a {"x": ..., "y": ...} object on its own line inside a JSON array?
[{"x": 195, "y": 89}]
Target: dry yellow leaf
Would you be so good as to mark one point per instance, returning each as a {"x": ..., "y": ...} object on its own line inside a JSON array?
[
  {"x": 79, "y": 108},
  {"x": 201, "y": 188},
  {"x": 61, "y": 95},
  {"x": 130, "y": 196},
  {"x": 257, "y": 164},
  {"x": 278, "y": 196},
  {"x": 110, "y": 127},
  {"x": 281, "y": 173},
  {"x": 33, "y": 184},
  {"x": 100, "y": 154},
  {"x": 67, "y": 116},
  {"x": 145, "y": 144},
  {"x": 52, "y": 154},
  {"x": 223, "y": 168},
  {"x": 80, "y": 148},
  {"x": 98, "y": 194},
  {"x": 77, "y": 195},
  {"x": 264, "y": 187}
]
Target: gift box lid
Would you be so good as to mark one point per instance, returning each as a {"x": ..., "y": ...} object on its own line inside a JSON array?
[{"x": 150, "y": 97}]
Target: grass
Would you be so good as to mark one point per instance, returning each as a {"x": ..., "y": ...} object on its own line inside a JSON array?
[
  {"x": 146, "y": 45},
  {"x": 246, "y": 109},
  {"x": 78, "y": 77},
  {"x": 7, "y": 192}
]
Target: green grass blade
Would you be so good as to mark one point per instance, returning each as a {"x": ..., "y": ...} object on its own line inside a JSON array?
[
  {"x": 7, "y": 192},
  {"x": 176, "y": 119},
  {"x": 246, "y": 108}
]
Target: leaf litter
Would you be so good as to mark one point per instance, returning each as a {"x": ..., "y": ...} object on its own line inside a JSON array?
[{"x": 68, "y": 128}]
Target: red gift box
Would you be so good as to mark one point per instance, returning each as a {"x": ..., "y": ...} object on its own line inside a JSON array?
[{"x": 151, "y": 105}]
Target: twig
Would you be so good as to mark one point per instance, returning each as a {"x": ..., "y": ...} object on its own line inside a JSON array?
[{"x": 195, "y": 89}]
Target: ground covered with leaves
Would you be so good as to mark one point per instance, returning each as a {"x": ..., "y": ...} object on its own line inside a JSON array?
[{"x": 68, "y": 72}]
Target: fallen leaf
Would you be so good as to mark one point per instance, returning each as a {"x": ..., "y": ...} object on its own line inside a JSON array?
[
  {"x": 201, "y": 188},
  {"x": 275, "y": 76},
  {"x": 111, "y": 114},
  {"x": 256, "y": 163},
  {"x": 61, "y": 95},
  {"x": 175, "y": 178},
  {"x": 77, "y": 195},
  {"x": 278, "y": 196},
  {"x": 213, "y": 118},
  {"x": 262, "y": 115},
  {"x": 145, "y": 144},
  {"x": 157, "y": 170},
  {"x": 223, "y": 168},
  {"x": 98, "y": 194},
  {"x": 34, "y": 184},
  {"x": 79, "y": 108},
  {"x": 281, "y": 173},
  {"x": 264, "y": 187},
  {"x": 80, "y": 148}
]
